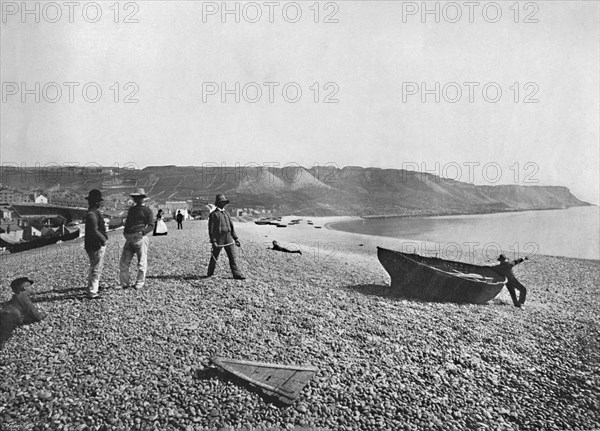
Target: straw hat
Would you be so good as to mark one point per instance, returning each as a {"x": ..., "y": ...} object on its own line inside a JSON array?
[{"x": 139, "y": 193}]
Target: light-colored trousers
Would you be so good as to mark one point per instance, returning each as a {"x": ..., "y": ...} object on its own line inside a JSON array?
[
  {"x": 96, "y": 265},
  {"x": 135, "y": 244}
]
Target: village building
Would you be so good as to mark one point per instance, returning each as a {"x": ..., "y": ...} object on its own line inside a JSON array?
[
  {"x": 7, "y": 195},
  {"x": 41, "y": 199},
  {"x": 12, "y": 196},
  {"x": 5, "y": 213}
]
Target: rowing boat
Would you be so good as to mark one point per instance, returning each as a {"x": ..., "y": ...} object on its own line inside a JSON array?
[
  {"x": 440, "y": 280},
  {"x": 16, "y": 247}
]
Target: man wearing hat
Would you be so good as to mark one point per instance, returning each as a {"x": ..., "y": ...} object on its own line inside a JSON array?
[
  {"x": 222, "y": 235},
  {"x": 19, "y": 310},
  {"x": 505, "y": 268},
  {"x": 139, "y": 222},
  {"x": 95, "y": 240}
]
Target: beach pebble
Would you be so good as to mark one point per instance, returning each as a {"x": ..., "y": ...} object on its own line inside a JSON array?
[{"x": 44, "y": 395}]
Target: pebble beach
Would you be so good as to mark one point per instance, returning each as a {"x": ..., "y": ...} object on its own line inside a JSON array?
[{"x": 139, "y": 359}]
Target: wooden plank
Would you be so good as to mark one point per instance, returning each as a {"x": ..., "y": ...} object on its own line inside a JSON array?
[
  {"x": 253, "y": 381},
  {"x": 266, "y": 364},
  {"x": 285, "y": 382}
]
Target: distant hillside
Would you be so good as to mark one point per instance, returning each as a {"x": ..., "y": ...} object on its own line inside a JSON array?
[{"x": 315, "y": 191}]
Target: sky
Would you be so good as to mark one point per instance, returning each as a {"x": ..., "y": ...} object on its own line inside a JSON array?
[{"x": 517, "y": 87}]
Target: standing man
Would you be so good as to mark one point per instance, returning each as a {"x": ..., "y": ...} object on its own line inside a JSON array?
[
  {"x": 222, "y": 235},
  {"x": 139, "y": 222},
  {"x": 95, "y": 241},
  {"x": 179, "y": 219}
]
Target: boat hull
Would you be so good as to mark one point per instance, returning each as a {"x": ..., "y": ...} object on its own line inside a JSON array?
[
  {"x": 36, "y": 243},
  {"x": 439, "y": 280}
]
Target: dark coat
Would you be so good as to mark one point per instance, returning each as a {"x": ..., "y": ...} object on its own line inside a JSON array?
[
  {"x": 220, "y": 228},
  {"x": 17, "y": 312},
  {"x": 505, "y": 268},
  {"x": 95, "y": 231},
  {"x": 139, "y": 219}
]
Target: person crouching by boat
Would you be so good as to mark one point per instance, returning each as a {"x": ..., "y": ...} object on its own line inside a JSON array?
[
  {"x": 505, "y": 268},
  {"x": 222, "y": 235},
  {"x": 95, "y": 241},
  {"x": 277, "y": 247},
  {"x": 139, "y": 222},
  {"x": 19, "y": 310}
]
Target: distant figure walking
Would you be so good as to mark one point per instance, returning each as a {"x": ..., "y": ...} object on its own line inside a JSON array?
[
  {"x": 19, "y": 310},
  {"x": 179, "y": 218},
  {"x": 505, "y": 268},
  {"x": 277, "y": 247},
  {"x": 160, "y": 228},
  {"x": 139, "y": 222},
  {"x": 222, "y": 235},
  {"x": 95, "y": 241}
]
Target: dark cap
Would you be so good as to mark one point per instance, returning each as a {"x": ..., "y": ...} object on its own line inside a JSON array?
[
  {"x": 501, "y": 258},
  {"x": 94, "y": 195},
  {"x": 220, "y": 198},
  {"x": 16, "y": 284}
]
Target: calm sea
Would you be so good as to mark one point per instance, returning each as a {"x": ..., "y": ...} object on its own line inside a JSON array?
[{"x": 573, "y": 232}]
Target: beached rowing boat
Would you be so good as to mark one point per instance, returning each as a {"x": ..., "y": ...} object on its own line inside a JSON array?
[
  {"x": 440, "y": 280},
  {"x": 16, "y": 247}
]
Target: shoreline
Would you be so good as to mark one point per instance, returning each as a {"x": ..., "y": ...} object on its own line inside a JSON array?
[{"x": 446, "y": 214}]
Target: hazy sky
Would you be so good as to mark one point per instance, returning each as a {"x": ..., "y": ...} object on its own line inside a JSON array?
[{"x": 374, "y": 60}]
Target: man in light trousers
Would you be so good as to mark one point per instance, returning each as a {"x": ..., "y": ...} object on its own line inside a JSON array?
[
  {"x": 139, "y": 222},
  {"x": 95, "y": 241}
]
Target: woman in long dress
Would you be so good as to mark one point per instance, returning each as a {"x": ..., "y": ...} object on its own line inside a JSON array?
[{"x": 160, "y": 228}]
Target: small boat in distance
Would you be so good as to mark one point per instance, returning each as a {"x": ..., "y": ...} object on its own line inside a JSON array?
[
  {"x": 263, "y": 221},
  {"x": 440, "y": 280}
]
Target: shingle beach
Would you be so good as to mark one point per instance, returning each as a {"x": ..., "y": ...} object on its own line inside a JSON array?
[{"x": 139, "y": 359}]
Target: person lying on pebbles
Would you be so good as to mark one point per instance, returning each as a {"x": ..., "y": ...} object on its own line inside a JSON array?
[
  {"x": 277, "y": 247},
  {"x": 19, "y": 310}
]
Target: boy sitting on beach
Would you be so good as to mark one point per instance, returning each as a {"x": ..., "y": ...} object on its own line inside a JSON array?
[{"x": 19, "y": 310}]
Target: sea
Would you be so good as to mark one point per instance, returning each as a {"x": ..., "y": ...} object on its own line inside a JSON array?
[{"x": 572, "y": 232}]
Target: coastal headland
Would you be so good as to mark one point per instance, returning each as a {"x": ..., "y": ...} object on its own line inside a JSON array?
[{"x": 139, "y": 359}]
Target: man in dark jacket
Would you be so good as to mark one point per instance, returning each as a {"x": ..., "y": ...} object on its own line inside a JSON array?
[
  {"x": 222, "y": 235},
  {"x": 139, "y": 222},
  {"x": 179, "y": 218},
  {"x": 95, "y": 241},
  {"x": 505, "y": 268},
  {"x": 19, "y": 310}
]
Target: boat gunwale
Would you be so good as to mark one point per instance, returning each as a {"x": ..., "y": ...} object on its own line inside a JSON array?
[{"x": 431, "y": 267}]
